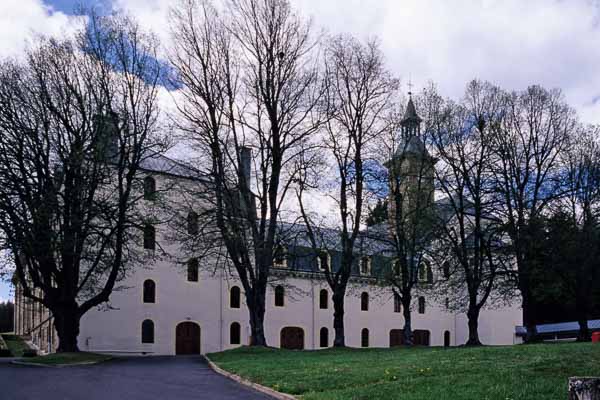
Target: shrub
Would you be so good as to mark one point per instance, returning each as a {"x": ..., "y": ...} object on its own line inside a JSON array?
[{"x": 30, "y": 353}]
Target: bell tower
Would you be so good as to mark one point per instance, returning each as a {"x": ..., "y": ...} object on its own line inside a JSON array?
[{"x": 411, "y": 172}]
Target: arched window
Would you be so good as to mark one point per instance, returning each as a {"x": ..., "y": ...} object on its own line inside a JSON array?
[
  {"x": 192, "y": 270},
  {"x": 149, "y": 291},
  {"x": 364, "y": 301},
  {"x": 323, "y": 299},
  {"x": 279, "y": 296},
  {"x": 364, "y": 338},
  {"x": 192, "y": 223},
  {"x": 324, "y": 337},
  {"x": 397, "y": 303},
  {"x": 425, "y": 273},
  {"x": 149, "y": 188},
  {"x": 147, "y": 331},
  {"x": 235, "y": 333},
  {"x": 149, "y": 237},
  {"x": 234, "y": 297},
  {"x": 421, "y": 305},
  {"x": 446, "y": 338}
]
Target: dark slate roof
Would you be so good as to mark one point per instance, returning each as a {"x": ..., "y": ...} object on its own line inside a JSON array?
[
  {"x": 367, "y": 243},
  {"x": 160, "y": 163},
  {"x": 412, "y": 145}
]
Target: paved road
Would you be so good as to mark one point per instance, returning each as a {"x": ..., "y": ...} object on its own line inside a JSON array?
[{"x": 142, "y": 378}]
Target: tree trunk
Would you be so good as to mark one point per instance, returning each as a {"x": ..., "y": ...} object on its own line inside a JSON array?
[
  {"x": 406, "y": 312},
  {"x": 582, "y": 318},
  {"x": 528, "y": 313},
  {"x": 473, "y": 316},
  {"x": 256, "y": 309},
  {"x": 66, "y": 322},
  {"x": 338, "y": 317},
  {"x": 584, "y": 330}
]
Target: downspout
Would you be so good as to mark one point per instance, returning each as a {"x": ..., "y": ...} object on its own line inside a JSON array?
[
  {"x": 221, "y": 311},
  {"x": 313, "y": 333}
]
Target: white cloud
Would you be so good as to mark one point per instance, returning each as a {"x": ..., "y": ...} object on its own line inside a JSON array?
[
  {"x": 512, "y": 43},
  {"x": 21, "y": 19}
]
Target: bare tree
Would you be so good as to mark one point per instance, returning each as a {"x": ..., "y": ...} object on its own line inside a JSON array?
[
  {"x": 469, "y": 242},
  {"x": 76, "y": 121},
  {"x": 535, "y": 128},
  {"x": 359, "y": 94},
  {"x": 250, "y": 85}
]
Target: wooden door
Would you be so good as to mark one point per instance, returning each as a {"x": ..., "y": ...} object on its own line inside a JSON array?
[
  {"x": 446, "y": 339},
  {"x": 187, "y": 338},
  {"x": 421, "y": 337},
  {"x": 396, "y": 337},
  {"x": 292, "y": 338}
]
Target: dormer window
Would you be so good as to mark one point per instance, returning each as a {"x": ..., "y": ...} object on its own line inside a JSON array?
[
  {"x": 446, "y": 269},
  {"x": 397, "y": 269},
  {"x": 365, "y": 266},
  {"x": 324, "y": 261},
  {"x": 280, "y": 257},
  {"x": 425, "y": 273}
]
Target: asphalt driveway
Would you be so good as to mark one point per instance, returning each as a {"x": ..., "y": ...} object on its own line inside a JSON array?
[{"x": 135, "y": 378}]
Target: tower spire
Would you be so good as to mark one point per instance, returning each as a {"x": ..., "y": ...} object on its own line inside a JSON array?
[{"x": 411, "y": 123}]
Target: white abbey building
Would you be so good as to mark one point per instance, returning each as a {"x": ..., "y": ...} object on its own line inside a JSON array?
[{"x": 166, "y": 309}]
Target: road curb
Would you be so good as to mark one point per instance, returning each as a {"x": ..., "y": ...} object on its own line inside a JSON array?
[
  {"x": 31, "y": 364},
  {"x": 260, "y": 388}
]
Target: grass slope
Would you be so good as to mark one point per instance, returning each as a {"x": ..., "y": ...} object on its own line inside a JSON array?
[
  {"x": 15, "y": 344},
  {"x": 506, "y": 373}
]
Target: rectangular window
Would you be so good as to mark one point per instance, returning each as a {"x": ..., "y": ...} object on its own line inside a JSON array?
[
  {"x": 421, "y": 305},
  {"x": 149, "y": 237},
  {"x": 397, "y": 303},
  {"x": 192, "y": 270}
]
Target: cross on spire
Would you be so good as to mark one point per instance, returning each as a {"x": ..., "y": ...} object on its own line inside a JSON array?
[{"x": 410, "y": 85}]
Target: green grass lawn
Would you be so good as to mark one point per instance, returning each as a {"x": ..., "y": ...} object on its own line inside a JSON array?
[
  {"x": 15, "y": 344},
  {"x": 68, "y": 358},
  {"x": 511, "y": 372}
]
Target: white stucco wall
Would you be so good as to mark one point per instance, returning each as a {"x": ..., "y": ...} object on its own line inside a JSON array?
[{"x": 207, "y": 303}]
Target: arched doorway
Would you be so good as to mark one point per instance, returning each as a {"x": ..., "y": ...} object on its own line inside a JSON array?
[
  {"x": 187, "y": 338},
  {"x": 292, "y": 338},
  {"x": 447, "y": 339}
]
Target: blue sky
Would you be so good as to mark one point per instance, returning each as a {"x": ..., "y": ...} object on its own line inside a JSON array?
[{"x": 66, "y": 6}]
